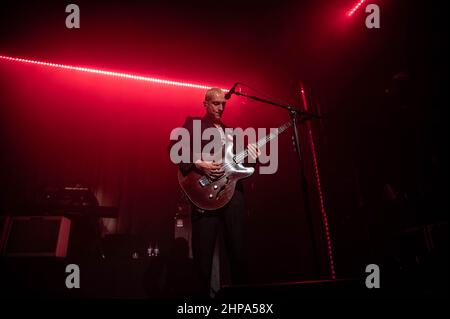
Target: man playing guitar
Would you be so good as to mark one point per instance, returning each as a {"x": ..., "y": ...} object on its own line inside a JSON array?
[{"x": 229, "y": 218}]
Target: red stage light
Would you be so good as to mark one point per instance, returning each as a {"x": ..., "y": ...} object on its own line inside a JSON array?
[
  {"x": 319, "y": 188},
  {"x": 103, "y": 72},
  {"x": 350, "y": 13}
]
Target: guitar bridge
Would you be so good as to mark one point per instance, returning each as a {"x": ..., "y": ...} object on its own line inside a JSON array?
[{"x": 219, "y": 193}]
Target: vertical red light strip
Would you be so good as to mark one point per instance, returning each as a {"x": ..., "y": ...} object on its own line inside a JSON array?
[
  {"x": 350, "y": 13},
  {"x": 319, "y": 187}
]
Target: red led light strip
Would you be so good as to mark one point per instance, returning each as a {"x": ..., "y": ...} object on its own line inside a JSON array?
[
  {"x": 355, "y": 8},
  {"x": 319, "y": 189},
  {"x": 103, "y": 72}
]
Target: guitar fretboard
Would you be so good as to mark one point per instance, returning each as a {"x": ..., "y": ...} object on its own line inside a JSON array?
[{"x": 263, "y": 141}]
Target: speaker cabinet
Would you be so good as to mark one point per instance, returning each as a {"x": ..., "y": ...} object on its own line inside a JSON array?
[{"x": 35, "y": 236}]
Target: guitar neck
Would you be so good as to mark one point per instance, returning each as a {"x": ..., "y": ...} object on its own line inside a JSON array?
[{"x": 263, "y": 141}]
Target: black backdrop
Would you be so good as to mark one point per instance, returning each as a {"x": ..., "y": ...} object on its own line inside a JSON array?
[{"x": 382, "y": 128}]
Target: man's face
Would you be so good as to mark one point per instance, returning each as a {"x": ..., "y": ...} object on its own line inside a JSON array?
[{"x": 215, "y": 106}]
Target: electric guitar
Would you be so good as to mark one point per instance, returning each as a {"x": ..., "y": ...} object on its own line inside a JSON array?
[{"x": 213, "y": 194}]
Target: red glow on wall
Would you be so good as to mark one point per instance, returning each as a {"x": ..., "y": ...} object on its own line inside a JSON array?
[
  {"x": 110, "y": 73},
  {"x": 350, "y": 13},
  {"x": 319, "y": 189}
]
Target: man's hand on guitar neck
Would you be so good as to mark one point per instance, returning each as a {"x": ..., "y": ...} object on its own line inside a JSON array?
[{"x": 212, "y": 170}]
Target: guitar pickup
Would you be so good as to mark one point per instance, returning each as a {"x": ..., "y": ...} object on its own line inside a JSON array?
[{"x": 203, "y": 181}]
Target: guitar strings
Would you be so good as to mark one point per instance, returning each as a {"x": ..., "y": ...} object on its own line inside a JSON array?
[
  {"x": 261, "y": 142},
  {"x": 241, "y": 156}
]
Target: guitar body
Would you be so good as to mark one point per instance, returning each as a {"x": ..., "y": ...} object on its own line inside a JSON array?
[{"x": 212, "y": 195}]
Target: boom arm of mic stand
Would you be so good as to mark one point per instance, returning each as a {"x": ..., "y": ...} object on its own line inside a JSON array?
[{"x": 291, "y": 109}]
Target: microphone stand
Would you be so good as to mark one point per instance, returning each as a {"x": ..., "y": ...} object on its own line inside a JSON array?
[{"x": 295, "y": 114}]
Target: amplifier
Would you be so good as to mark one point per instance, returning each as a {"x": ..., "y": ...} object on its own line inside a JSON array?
[{"x": 35, "y": 236}]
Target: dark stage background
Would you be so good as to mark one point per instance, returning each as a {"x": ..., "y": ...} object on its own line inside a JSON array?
[{"x": 380, "y": 149}]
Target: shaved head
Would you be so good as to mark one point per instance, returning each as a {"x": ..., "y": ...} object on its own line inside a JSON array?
[{"x": 212, "y": 92}]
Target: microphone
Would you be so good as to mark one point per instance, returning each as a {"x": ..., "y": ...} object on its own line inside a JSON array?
[{"x": 231, "y": 91}]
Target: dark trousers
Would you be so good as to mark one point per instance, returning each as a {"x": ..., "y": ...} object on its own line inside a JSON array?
[{"x": 205, "y": 228}]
